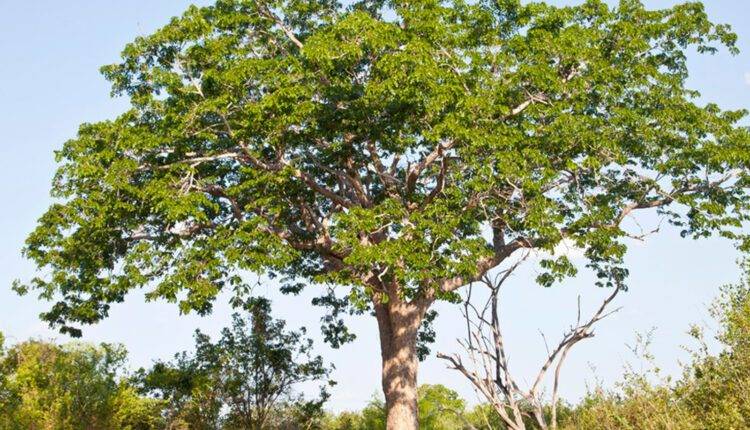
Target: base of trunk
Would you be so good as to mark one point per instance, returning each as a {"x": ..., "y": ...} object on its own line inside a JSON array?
[
  {"x": 402, "y": 416},
  {"x": 398, "y": 325}
]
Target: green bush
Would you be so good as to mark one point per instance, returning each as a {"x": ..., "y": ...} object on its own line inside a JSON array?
[{"x": 70, "y": 387}]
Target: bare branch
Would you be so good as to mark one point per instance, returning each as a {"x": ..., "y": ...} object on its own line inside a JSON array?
[
  {"x": 320, "y": 189},
  {"x": 531, "y": 99},
  {"x": 489, "y": 371},
  {"x": 263, "y": 8},
  {"x": 414, "y": 171},
  {"x": 439, "y": 185},
  {"x": 194, "y": 161},
  {"x": 390, "y": 182}
]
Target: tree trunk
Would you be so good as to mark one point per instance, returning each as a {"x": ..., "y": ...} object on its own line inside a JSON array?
[{"x": 398, "y": 324}]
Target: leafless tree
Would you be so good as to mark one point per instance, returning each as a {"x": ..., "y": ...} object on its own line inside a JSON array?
[{"x": 485, "y": 359}]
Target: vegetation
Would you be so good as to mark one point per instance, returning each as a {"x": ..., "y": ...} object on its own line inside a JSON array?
[
  {"x": 712, "y": 393},
  {"x": 70, "y": 387},
  {"x": 485, "y": 360},
  {"x": 245, "y": 380},
  {"x": 397, "y": 149},
  {"x": 76, "y": 386}
]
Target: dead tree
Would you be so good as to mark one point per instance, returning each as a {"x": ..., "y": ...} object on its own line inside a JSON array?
[{"x": 486, "y": 365}]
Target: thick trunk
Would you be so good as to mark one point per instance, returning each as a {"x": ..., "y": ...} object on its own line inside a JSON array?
[{"x": 398, "y": 324}]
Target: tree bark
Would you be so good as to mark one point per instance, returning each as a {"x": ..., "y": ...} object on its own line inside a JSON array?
[{"x": 398, "y": 324}]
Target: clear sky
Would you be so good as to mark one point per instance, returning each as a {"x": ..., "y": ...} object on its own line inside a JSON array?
[{"x": 50, "y": 52}]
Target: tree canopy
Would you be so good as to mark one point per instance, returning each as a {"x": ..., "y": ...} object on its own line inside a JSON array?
[{"x": 401, "y": 148}]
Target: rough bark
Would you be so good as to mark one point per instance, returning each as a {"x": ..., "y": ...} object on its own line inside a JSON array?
[{"x": 398, "y": 324}]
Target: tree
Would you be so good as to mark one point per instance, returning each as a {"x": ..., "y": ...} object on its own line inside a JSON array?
[
  {"x": 440, "y": 408},
  {"x": 70, "y": 387},
  {"x": 400, "y": 149},
  {"x": 245, "y": 380}
]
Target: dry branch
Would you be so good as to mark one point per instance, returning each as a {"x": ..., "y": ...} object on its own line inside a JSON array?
[{"x": 487, "y": 365}]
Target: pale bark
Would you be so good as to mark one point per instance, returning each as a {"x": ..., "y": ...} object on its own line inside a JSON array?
[{"x": 398, "y": 324}]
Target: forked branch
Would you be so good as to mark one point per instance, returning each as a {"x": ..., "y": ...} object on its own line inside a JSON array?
[{"x": 487, "y": 368}]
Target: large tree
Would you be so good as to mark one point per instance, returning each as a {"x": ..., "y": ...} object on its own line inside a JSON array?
[{"x": 400, "y": 149}]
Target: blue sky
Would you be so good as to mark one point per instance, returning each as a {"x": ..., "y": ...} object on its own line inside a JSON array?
[{"x": 50, "y": 52}]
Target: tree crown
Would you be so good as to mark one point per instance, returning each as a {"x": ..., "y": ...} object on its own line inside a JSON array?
[{"x": 401, "y": 148}]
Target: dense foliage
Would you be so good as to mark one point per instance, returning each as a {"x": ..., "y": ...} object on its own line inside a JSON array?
[
  {"x": 246, "y": 380},
  {"x": 70, "y": 387},
  {"x": 378, "y": 145}
]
